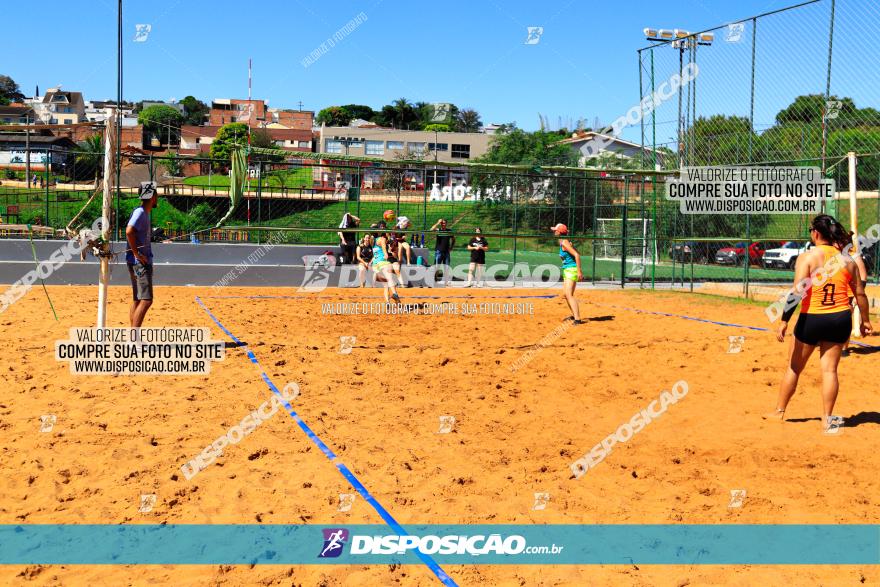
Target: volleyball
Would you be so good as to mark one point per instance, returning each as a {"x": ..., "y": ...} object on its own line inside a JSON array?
[{"x": 389, "y": 216}]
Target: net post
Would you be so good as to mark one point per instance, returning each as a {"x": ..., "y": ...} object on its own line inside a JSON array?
[
  {"x": 104, "y": 272},
  {"x": 877, "y": 206},
  {"x": 853, "y": 207}
]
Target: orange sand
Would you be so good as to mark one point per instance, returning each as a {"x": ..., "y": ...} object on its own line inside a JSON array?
[{"x": 379, "y": 408}]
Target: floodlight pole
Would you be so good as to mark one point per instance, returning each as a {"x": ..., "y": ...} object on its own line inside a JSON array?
[
  {"x": 641, "y": 118},
  {"x": 653, "y": 178},
  {"x": 680, "y": 121}
]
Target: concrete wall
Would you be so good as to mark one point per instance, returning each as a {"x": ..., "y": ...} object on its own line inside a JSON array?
[{"x": 182, "y": 264}]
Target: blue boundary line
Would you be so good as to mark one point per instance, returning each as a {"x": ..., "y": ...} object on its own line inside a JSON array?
[
  {"x": 408, "y": 297},
  {"x": 706, "y": 321},
  {"x": 349, "y": 476}
]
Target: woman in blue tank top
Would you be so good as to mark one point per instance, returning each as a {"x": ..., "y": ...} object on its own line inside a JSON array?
[
  {"x": 571, "y": 271},
  {"x": 382, "y": 267}
]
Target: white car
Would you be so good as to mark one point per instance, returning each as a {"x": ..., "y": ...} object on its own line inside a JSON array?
[{"x": 786, "y": 256}]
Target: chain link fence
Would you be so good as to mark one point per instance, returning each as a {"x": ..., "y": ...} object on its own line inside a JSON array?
[{"x": 621, "y": 222}]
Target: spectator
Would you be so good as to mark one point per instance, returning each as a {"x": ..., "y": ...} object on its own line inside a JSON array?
[
  {"x": 347, "y": 238},
  {"x": 364, "y": 255},
  {"x": 443, "y": 246},
  {"x": 478, "y": 246},
  {"x": 405, "y": 249},
  {"x": 139, "y": 257}
]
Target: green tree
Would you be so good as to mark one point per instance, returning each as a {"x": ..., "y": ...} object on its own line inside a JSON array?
[
  {"x": 194, "y": 111},
  {"x": 468, "y": 120},
  {"x": 860, "y": 141},
  {"x": 228, "y": 136},
  {"x": 385, "y": 116},
  {"x": 261, "y": 138},
  {"x": 9, "y": 90},
  {"x": 404, "y": 114},
  {"x": 437, "y": 128},
  {"x": 790, "y": 142},
  {"x": 334, "y": 116},
  {"x": 163, "y": 121},
  {"x": 172, "y": 164},
  {"x": 519, "y": 147},
  {"x": 810, "y": 108},
  {"x": 722, "y": 139},
  {"x": 359, "y": 111}
]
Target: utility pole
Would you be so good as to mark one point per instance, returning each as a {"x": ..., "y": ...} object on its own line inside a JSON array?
[{"x": 27, "y": 149}]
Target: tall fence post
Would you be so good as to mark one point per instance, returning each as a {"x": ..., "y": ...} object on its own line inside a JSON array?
[
  {"x": 596, "y": 191},
  {"x": 513, "y": 195},
  {"x": 259, "y": 199},
  {"x": 747, "y": 257},
  {"x": 827, "y": 92},
  {"x": 645, "y": 244},
  {"x": 624, "y": 232},
  {"x": 48, "y": 178}
]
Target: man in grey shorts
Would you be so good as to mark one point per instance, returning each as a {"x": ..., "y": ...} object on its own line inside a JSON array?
[{"x": 139, "y": 256}]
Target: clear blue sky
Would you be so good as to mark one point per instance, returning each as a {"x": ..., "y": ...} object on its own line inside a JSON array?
[{"x": 472, "y": 53}]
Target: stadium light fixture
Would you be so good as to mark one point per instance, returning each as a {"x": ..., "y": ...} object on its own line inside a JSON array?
[{"x": 681, "y": 39}]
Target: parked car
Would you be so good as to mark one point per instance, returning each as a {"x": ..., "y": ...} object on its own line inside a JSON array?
[
  {"x": 699, "y": 251},
  {"x": 736, "y": 254},
  {"x": 785, "y": 256}
]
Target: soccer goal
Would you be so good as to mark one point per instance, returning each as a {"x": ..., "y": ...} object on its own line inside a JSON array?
[{"x": 611, "y": 240}]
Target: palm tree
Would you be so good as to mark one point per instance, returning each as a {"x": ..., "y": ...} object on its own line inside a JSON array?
[
  {"x": 89, "y": 153},
  {"x": 403, "y": 111},
  {"x": 468, "y": 120}
]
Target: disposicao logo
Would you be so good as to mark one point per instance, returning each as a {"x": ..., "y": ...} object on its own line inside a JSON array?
[{"x": 334, "y": 541}]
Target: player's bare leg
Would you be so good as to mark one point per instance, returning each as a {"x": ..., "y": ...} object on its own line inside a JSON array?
[{"x": 800, "y": 354}]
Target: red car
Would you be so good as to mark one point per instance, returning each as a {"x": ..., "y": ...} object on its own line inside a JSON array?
[{"x": 736, "y": 254}]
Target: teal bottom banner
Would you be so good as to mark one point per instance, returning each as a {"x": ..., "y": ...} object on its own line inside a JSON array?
[{"x": 612, "y": 544}]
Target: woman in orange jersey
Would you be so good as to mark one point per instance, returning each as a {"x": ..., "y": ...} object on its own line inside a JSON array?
[{"x": 825, "y": 319}]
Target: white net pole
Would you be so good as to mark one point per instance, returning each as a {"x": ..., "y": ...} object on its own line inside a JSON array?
[
  {"x": 104, "y": 275},
  {"x": 854, "y": 227}
]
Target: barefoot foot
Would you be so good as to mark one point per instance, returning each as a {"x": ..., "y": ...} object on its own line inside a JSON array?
[{"x": 775, "y": 415}]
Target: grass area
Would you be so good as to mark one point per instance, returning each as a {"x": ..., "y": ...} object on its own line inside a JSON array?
[
  {"x": 605, "y": 268},
  {"x": 288, "y": 178},
  {"x": 31, "y": 204}
]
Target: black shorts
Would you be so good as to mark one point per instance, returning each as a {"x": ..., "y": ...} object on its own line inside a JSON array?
[{"x": 815, "y": 328}]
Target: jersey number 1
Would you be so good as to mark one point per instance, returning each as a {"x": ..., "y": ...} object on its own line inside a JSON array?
[{"x": 828, "y": 295}]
